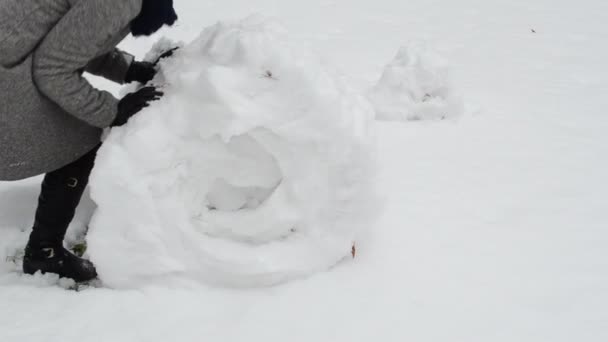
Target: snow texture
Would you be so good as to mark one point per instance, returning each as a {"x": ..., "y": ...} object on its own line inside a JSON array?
[
  {"x": 256, "y": 167},
  {"x": 494, "y": 228},
  {"x": 416, "y": 86}
]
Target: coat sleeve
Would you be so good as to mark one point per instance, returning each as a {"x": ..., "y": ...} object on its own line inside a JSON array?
[
  {"x": 70, "y": 46},
  {"x": 112, "y": 66}
]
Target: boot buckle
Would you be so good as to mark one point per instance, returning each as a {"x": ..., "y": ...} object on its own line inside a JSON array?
[
  {"x": 72, "y": 182},
  {"x": 50, "y": 252}
]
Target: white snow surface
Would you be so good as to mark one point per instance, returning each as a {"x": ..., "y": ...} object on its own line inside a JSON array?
[
  {"x": 494, "y": 227},
  {"x": 257, "y": 166}
]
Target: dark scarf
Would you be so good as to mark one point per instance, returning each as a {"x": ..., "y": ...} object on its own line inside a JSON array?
[{"x": 154, "y": 14}]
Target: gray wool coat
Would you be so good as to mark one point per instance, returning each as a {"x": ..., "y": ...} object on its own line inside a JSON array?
[{"x": 49, "y": 114}]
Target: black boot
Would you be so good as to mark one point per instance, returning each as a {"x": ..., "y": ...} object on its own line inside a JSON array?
[
  {"x": 58, "y": 260},
  {"x": 60, "y": 194}
]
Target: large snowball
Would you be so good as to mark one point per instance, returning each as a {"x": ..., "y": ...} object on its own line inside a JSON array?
[{"x": 256, "y": 167}]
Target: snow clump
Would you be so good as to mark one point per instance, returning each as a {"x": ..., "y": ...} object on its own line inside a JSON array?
[
  {"x": 255, "y": 168},
  {"x": 416, "y": 86}
]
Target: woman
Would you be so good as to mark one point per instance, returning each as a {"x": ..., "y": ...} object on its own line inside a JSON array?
[{"x": 51, "y": 118}]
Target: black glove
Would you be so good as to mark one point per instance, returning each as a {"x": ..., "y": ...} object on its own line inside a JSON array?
[
  {"x": 142, "y": 72},
  {"x": 165, "y": 54},
  {"x": 132, "y": 103}
]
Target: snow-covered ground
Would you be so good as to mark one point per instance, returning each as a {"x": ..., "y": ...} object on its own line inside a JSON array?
[{"x": 494, "y": 226}]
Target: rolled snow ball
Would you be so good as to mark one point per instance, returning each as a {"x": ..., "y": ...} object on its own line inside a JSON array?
[
  {"x": 256, "y": 167},
  {"x": 416, "y": 86}
]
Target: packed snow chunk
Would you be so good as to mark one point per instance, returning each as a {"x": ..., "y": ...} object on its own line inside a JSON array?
[
  {"x": 256, "y": 167},
  {"x": 416, "y": 86}
]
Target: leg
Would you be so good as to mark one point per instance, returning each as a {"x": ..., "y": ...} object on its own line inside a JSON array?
[{"x": 60, "y": 195}]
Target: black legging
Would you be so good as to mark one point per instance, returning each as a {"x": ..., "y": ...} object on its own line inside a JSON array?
[{"x": 61, "y": 192}]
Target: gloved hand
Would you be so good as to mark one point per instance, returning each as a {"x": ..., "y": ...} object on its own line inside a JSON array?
[
  {"x": 132, "y": 103},
  {"x": 142, "y": 72},
  {"x": 165, "y": 54}
]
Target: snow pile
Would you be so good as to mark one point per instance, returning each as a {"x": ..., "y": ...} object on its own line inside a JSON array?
[
  {"x": 416, "y": 86},
  {"x": 256, "y": 167}
]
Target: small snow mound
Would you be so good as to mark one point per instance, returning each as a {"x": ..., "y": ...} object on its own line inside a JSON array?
[
  {"x": 416, "y": 86},
  {"x": 256, "y": 167}
]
